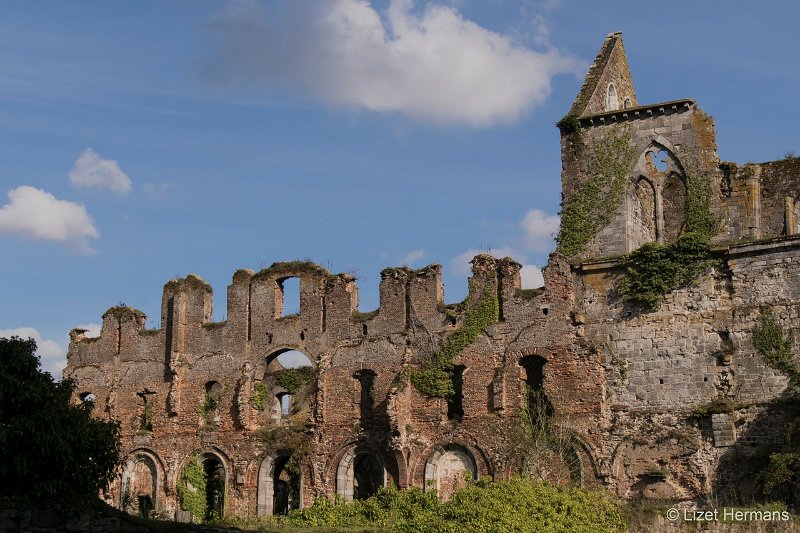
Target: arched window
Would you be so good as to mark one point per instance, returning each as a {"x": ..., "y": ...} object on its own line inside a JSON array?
[
  {"x": 627, "y": 104},
  {"x": 612, "y": 103}
]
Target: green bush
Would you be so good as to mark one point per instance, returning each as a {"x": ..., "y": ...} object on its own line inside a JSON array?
[{"x": 518, "y": 505}]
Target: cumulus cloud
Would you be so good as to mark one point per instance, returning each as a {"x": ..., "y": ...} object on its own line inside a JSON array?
[
  {"x": 531, "y": 275},
  {"x": 37, "y": 214},
  {"x": 461, "y": 263},
  {"x": 91, "y": 170},
  {"x": 539, "y": 230},
  {"x": 92, "y": 330},
  {"x": 412, "y": 257},
  {"x": 431, "y": 63},
  {"x": 51, "y": 354}
]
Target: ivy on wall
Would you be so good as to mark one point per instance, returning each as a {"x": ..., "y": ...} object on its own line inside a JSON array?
[
  {"x": 435, "y": 375},
  {"x": 775, "y": 345},
  {"x": 192, "y": 489},
  {"x": 259, "y": 397},
  {"x": 654, "y": 270},
  {"x": 595, "y": 204}
]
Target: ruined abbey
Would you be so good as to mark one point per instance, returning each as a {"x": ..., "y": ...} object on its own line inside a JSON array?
[{"x": 421, "y": 393}]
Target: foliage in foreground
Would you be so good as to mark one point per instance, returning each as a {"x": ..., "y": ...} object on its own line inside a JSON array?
[
  {"x": 49, "y": 448},
  {"x": 519, "y": 505}
]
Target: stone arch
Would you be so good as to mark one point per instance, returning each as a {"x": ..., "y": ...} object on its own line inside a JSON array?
[
  {"x": 660, "y": 469},
  {"x": 361, "y": 471},
  {"x": 271, "y": 499},
  {"x": 663, "y": 171},
  {"x": 141, "y": 478},
  {"x": 283, "y": 404},
  {"x": 448, "y": 469},
  {"x": 216, "y": 463}
]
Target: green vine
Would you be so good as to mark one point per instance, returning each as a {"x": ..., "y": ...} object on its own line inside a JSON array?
[
  {"x": 655, "y": 270},
  {"x": 435, "y": 375},
  {"x": 259, "y": 398},
  {"x": 192, "y": 489},
  {"x": 600, "y": 197},
  {"x": 775, "y": 345},
  {"x": 293, "y": 379}
]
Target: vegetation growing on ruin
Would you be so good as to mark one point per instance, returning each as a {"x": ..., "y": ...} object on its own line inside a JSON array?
[
  {"x": 259, "y": 397},
  {"x": 293, "y": 267},
  {"x": 434, "y": 377},
  {"x": 781, "y": 476},
  {"x": 775, "y": 345},
  {"x": 292, "y": 379},
  {"x": 532, "y": 443},
  {"x": 654, "y": 270},
  {"x": 569, "y": 124},
  {"x": 51, "y": 450},
  {"x": 123, "y": 309},
  {"x": 715, "y": 407},
  {"x": 593, "y": 207},
  {"x": 359, "y": 317},
  {"x": 192, "y": 488}
]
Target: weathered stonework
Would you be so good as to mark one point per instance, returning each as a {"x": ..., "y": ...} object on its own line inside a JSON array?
[{"x": 625, "y": 384}]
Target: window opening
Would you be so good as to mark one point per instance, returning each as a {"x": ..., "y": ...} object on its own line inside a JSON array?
[
  {"x": 612, "y": 104},
  {"x": 455, "y": 404},
  {"x": 287, "y": 298}
]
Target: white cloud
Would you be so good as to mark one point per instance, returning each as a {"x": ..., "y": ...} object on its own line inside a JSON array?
[
  {"x": 461, "y": 263},
  {"x": 539, "y": 230},
  {"x": 37, "y": 214},
  {"x": 412, "y": 257},
  {"x": 430, "y": 63},
  {"x": 159, "y": 190},
  {"x": 91, "y": 170},
  {"x": 51, "y": 354},
  {"x": 92, "y": 330},
  {"x": 531, "y": 277}
]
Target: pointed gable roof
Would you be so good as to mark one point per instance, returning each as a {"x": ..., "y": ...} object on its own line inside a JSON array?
[{"x": 610, "y": 66}]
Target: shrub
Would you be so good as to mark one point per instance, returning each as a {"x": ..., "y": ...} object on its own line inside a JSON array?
[{"x": 49, "y": 448}]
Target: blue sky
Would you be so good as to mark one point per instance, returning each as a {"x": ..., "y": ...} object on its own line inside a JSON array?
[{"x": 142, "y": 141}]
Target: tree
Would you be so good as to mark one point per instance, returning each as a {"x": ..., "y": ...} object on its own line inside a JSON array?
[{"x": 50, "y": 449}]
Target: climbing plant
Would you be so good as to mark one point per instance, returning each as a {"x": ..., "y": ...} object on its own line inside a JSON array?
[
  {"x": 259, "y": 398},
  {"x": 594, "y": 205},
  {"x": 192, "y": 488},
  {"x": 654, "y": 270},
  {"x": 434, "y": 376},
  {"x": 775, "y": 345}
]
